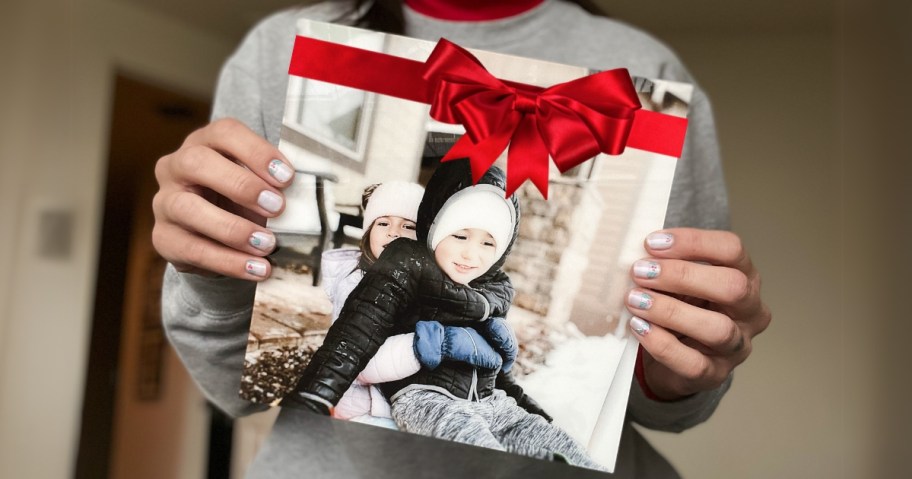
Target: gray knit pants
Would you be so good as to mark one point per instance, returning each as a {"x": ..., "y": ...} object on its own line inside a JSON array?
[{"x": 495, "y": 422}]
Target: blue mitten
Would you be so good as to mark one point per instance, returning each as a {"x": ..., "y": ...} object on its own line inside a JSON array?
[
  {"x": 435, "y": 343},
  {"x": 500, "y": 336}
]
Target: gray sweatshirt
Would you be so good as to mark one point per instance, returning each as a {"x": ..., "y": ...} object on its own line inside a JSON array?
[{"x": 207, "y": 319}]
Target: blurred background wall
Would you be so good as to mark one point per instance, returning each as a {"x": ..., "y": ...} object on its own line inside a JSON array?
[
  {"x": 803, "y": 95},
  {"x": 60, "y": 60}
]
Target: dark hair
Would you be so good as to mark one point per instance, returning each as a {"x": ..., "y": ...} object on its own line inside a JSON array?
[
  {"x": 367, "y": 256},
  {"x": 366, "y": 195},
  {"x": 386, "y": 15}
]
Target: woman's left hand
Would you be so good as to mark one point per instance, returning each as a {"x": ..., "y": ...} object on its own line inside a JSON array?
[{"x": 696, "y": 309}]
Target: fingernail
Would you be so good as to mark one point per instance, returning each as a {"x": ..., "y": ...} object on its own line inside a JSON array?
[
  {"x": 262, "y": 241},
  {"x": 255, "y": 268},
  {"x": 646, "y": 269},
  {"x": 660, "y": 240},
  {"x": 639, "y": 326},
  {"x": 280, "y": 171},
  {"x": 270, "y": 201},
  {"x": 639, "y": 299}
]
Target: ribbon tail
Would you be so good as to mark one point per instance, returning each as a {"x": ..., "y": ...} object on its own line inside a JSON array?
[
  {"x": 658, "y": 133},
  {"x": 527, "y": 158},
  {"x": 481, "y": 156}
]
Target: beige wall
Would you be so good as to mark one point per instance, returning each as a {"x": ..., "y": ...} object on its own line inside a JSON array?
[
  {"x": 802, "y": 405},
  {"x": 59, "y": 58}
]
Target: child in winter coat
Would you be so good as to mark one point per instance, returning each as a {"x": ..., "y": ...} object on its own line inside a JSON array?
[
  {"x": 390, "y": 211},
  {"x": 452, "y": 274}
]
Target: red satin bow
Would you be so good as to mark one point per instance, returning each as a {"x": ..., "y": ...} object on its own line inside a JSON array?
[{"x": 571, "y": 121}]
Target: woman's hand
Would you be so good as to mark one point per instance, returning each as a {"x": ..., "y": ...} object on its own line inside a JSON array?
[
  {"x": 215, "y": 193},
  {"x": 696, "y": 309}
]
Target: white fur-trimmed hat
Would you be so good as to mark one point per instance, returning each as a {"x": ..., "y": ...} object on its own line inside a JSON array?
[
  {"x": 481, "y": 206},
  {"x": 393, "y": 198}
]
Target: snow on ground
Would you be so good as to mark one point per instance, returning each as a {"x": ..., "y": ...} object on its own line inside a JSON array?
[{"x": 572, "y": 384}]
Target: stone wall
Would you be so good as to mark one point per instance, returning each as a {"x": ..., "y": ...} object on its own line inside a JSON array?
[
  {"x": 564, "y": 264},
  {"x": 544, "y": 233}
]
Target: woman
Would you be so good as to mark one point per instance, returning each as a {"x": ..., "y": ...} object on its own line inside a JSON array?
[{"x": 693, "y": 333}]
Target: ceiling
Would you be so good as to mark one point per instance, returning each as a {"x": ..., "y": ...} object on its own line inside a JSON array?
[{"x": 232, "y": 18}]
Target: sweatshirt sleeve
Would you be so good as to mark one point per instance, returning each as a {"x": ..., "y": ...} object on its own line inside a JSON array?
[
  {"x": 699, "y": 198},
  {"x": 673, "y": 416},
  {"x": 238, "y": 92},
  {"x": 207, "y": 321}
]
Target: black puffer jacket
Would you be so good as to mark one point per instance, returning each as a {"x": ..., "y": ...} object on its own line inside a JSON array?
[{"x": 406, "y": 286}]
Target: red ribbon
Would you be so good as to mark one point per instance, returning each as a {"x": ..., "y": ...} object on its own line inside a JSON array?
[{"x": 570, "y": 122}]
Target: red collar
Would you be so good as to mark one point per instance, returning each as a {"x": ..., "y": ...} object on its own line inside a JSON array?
[{"x": 471, "y": 10}]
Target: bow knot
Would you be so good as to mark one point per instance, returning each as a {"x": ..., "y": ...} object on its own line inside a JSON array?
[
  {"x": 525, "y": 102},
  {"x": 569, "y": 122}
]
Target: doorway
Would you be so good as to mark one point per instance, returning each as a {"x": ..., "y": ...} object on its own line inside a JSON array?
[{"x": 142, "y": 415}]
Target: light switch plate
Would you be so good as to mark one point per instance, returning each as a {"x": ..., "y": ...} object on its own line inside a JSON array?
[{"x": 55, "y": 233}]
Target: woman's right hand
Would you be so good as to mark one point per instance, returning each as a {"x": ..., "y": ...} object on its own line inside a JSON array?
[{"x": 215, "y": 193}]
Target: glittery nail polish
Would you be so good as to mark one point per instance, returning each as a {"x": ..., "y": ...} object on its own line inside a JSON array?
[
  {"x": 270, "y": 201},
  {"x": 660, "y": 240},
  {"x": 639, "y": 326},
  {"x": 262, "y": 241},
  {"x": 255, "y": 268},
  {"x": 280, "y": 171},
  {"x": 639, "y": 299},
  {"x": 646, "y": 269}
]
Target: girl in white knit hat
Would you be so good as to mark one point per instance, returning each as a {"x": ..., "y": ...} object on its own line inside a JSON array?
[{"x": 390, "y": 211}]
